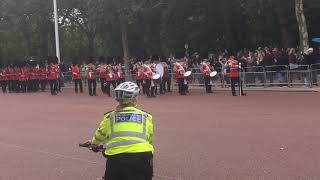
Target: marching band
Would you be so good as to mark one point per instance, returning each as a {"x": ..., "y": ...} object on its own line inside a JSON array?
[{"x": 151, "y": 74}]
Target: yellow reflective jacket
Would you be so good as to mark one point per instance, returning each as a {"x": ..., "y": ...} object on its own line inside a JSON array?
[{"x": 127, "y": 131}]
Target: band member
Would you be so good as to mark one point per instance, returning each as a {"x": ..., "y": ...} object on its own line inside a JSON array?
[
  {"x": 53, "y": 74},
  {"x": 206, "y": 69},
  {"x": 23, "y": 79},
  {"x": 166, "y": 79},
  {"x": 110, "y": 79},
  {"x": 43, "y": 72},
  {"x": 186, "y": 68},
  {"x": 148, "y": 71},
  {"x": 180, "y": 71},
  {"x": 11, "y": 77},
  {"x": 138, "y": 69},
  {"x": 3, "y": 79},
  {"x": 92, "y": 82},
  {"x": 34, "y": 77},
  {"x": 120, "y": 70},
  {"x": 101, "y": 71},
  {"x": 77, "y": 78},
  {"x": 235, "y": 75}
]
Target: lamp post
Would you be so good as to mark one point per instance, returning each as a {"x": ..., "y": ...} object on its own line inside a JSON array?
[{"x": 56, "y": 27}]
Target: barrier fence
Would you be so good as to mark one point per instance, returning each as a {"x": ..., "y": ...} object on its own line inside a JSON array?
[{"x": 289, "y": 76}]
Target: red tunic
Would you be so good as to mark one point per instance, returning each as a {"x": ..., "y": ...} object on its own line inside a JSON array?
[
  {"x": 101, "y": 72},
  {"x": 109, "y": 74},
  {"x": 91, "y": 75},
  {"x": 234, "y": 71},
  {"x": 4, "y": 74},
  {"x": 43, "y": 73},
  {"x": 205, "y": 69},
  {"x": 147, "y": 71},
  {"x": 11, "y": 75},
  {"x": 53, "y": 72},
  {"x": 76, "y": 73},
  {"x": 179, "y": 71}
]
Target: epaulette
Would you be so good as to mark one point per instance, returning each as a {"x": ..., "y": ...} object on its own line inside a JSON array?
[
  {"x": 146, "y": 112},
  {"x": 107, "y": 113}
]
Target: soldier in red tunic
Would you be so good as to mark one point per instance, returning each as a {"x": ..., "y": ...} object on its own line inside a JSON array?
[
  {"x": 53, "y": 74},
  {"x": 235, "y": 75},
  {"x": 3, "y": 79},
  {"x": 138, "y": 69},
  {"x": 206, "y": 69},
  {"x": 148, "y": 72},
  {"x": 23, "y": 79},
  {"x": 43, "y": 73},
  {"x": 11, "y": 77},
  {"x": 77, "y": 78},
  {"x": 91, "y": 76},
  {"x": 110, "y": 78},
  {"x": 180, "y": 71}
]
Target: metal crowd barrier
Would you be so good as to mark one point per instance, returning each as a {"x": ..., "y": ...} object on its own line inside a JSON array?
[{"x": 259, "y": 76}]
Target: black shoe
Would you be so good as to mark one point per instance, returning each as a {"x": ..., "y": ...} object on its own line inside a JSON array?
[
  {"x": 243, "y": 94},
  {"x": 234, "y": 94},
  {"x": 183, "y": 94}
]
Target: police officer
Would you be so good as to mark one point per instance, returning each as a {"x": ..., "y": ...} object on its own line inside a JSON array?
[{"x": 128, "y": 133}]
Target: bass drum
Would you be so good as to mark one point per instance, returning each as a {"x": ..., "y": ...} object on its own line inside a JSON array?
[
  {"x": 156, "y": 78},
  {"x": 160, "y": 69}
]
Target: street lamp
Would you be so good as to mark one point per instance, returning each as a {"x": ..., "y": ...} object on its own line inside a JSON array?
[{"x": 56, "y": 28}]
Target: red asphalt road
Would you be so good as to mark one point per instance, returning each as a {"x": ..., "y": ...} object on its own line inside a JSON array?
[{"x": 265, "y": 135}]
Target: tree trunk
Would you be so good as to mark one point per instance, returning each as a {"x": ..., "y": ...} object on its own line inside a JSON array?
[
  {"x": 303, "y": 30},
  {"x": 124, "y": 38}
]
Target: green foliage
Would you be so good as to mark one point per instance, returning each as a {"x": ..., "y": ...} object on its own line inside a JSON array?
[{"x": 92, "y": 27}]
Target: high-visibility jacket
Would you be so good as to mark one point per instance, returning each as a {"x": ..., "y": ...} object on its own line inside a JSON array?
[{"x": 127, "y": 131}]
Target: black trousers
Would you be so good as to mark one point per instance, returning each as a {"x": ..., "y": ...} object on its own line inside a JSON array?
[
  {"x": 182, "y": 86},
  {"x": 119, "y": 81},
  {"x": 35, "y": 85},
  {"x": 4, "y": 85},
  {"x": 150, "y": 91},
  {"x": 53, "y": 86},
  {"x": 165, "y": 85},
  {"x": 78, "y": 82},
  {"x": 102, "y": 83},
  {"x": 108, "y": 85},
  {"x": 138, "y": 166},
  {"x": 234, "y": 81},
  {"x": 23, "y": 86},
  {"x": 12, "y": 86},
  {"x": 140, "y": 84},
  {"x": 207, "y": 84},
  {"x": 92, "y": 85},
  {"x": 43, "y": 84}
]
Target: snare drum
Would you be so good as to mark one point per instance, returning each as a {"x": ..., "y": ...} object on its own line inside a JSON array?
[
  {"x": 187, "y": 74},
  {"x": 213, "y": 74}
]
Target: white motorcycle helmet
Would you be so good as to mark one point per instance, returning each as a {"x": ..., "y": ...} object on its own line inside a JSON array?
[{"x": 127, "y": 92}]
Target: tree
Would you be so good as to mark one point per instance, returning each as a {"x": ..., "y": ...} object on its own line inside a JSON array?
[{"x": 302, "y": 24}]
